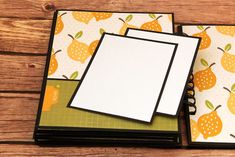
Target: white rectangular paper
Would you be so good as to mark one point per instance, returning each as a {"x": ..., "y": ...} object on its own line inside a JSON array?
[
  {"x": 125, "y": 77},
  {"x": 172, "y": 95}
]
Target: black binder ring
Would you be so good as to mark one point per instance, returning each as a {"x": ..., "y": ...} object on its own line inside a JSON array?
[{"x": 190, "y": 96}]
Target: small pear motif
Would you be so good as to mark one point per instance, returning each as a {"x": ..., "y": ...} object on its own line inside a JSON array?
[
  {"x": 59, "y": 24},
  {"x": 205, "y": 79},
  {"x": 102, "y": 15},
  {"x": 53, "y": 63},
  {"x": 94, "y": 44},
  {"x": 126, "y": 24},
  {"x": 206, "y": 40},
  {"x": 226, "y": 30},
  {"x": 210, "y": 124},
  {"x": 231, "y": 99},
  {"x": 77, "y": 50},
  {"x": 228, "y": 59},
  {"x": 152, "y": 25},
  {"x": 81, "y": 16}
]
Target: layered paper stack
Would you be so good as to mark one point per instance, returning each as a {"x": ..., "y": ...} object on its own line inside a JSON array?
[
  {"x": 114, "y": 78},
  {"x": 210, "y": 117}
]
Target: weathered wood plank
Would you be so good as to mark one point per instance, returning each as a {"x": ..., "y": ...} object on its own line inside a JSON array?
[
  {"x": 18, "y": 114},
  {"x": 16, "y": 131},
  {"x": 29, "y": 30},
  {"x": 33, "y": 150},
  {"x": 25, "y": 28},
  {"x": 13, "y": 104},
  {"x": 43, "y": 8},
  {"x": 23, "y": 35},
  {"x": 21, "y": 72}
]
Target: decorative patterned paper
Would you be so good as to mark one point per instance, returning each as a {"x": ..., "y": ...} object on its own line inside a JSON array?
[
  {"x": 77, "y": 34},
  {"x": 214, "y": 80},
  {"x": 56, "y": 113}
]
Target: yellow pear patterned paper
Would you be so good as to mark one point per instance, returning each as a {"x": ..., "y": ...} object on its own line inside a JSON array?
[
  {"x": 214, "y": 79},
  {"x": 77, "y": 34}
]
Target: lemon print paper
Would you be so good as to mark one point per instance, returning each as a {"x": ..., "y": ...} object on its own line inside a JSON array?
[
  {"x": 126, "y": 24},
  {"x": 226, "y": 30},
  {"x": 59, "y": 24},
  {"x": 228, "y": 59},
  {"x": 231, "y": 99},
  {"x": 53, "y": 62},
  {"x": 152, "y": 25},
  {"x": 205, "y": 79},
  {"x": 210, "y": 124},
  {"x": 77, "y": 34},
  {"x": 206, "y": 40},
  {"x": 214, "y": 80}
]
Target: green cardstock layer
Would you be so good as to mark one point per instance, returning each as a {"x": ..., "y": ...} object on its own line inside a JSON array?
[
  {"x": 66, "y": 65},
  {"x": 55, "y": 113}
]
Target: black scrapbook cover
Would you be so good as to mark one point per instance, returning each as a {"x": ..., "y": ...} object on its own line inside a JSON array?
[
  {"x": 212, "y": 88},
  {"x": 58, "y": 124}
]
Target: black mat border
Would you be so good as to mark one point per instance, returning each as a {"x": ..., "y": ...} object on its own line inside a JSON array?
[
  {"x": 93, "y": 57},
  {"x": 191, "y": 66},
  {"x": 202, "y": 145},
  {"x": 44, "y": 82}
]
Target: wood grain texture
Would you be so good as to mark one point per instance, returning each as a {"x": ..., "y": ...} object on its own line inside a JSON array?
[
  {"x": 196, "y": 11},
  {"x": 26, "y": 27},
  {"x": 33, "y": 150},
  {"x": 21, "y": 72},
  {"x": 18, "y": 114},
  {"x": 24, "y": 34},
  {"x": 18, "y": 126}
]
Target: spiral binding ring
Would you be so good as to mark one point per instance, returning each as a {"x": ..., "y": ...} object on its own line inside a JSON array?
[{"x": 189, "y": 97}]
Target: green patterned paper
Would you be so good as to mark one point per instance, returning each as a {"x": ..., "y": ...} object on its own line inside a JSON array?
[
  {"x": 84, "y": 28},
  {"x": 58, "y": 114}
]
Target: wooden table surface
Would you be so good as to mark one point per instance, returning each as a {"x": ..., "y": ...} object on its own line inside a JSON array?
[{"x": 24, "y": 34}]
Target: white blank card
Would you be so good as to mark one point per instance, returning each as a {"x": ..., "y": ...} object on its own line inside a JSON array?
[
  {"x": 125, "y": 77},
  {"x": 174, "y": 89}
]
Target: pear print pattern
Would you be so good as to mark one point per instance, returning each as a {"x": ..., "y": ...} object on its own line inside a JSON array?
[
  {"x": 205, "y": 79},
  {"x": 73, "y": 76},
  {"x": 194, "y": 130},
  {"x": 84, "y": 17},
  {"x": 152, "y": 25},
  {"x": 94, "y": 44},
  {"x": 102, "y": 15},
  {"x": 210, "y": 124},
  {"x": 126, "y": 24},
  {"x": 214, "y": 82},
  {"x": 59, "y": 24},
  {"x": 77, "y": 50},
  {"x": 231, "y": 99},
  {"x": 228, "y": 59},
  {"x": 77, "y": 33},
  {"x": 206, "y": 40},
  {"x": 226, "y": 30},
  {"x": 53, "y": 63}
]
